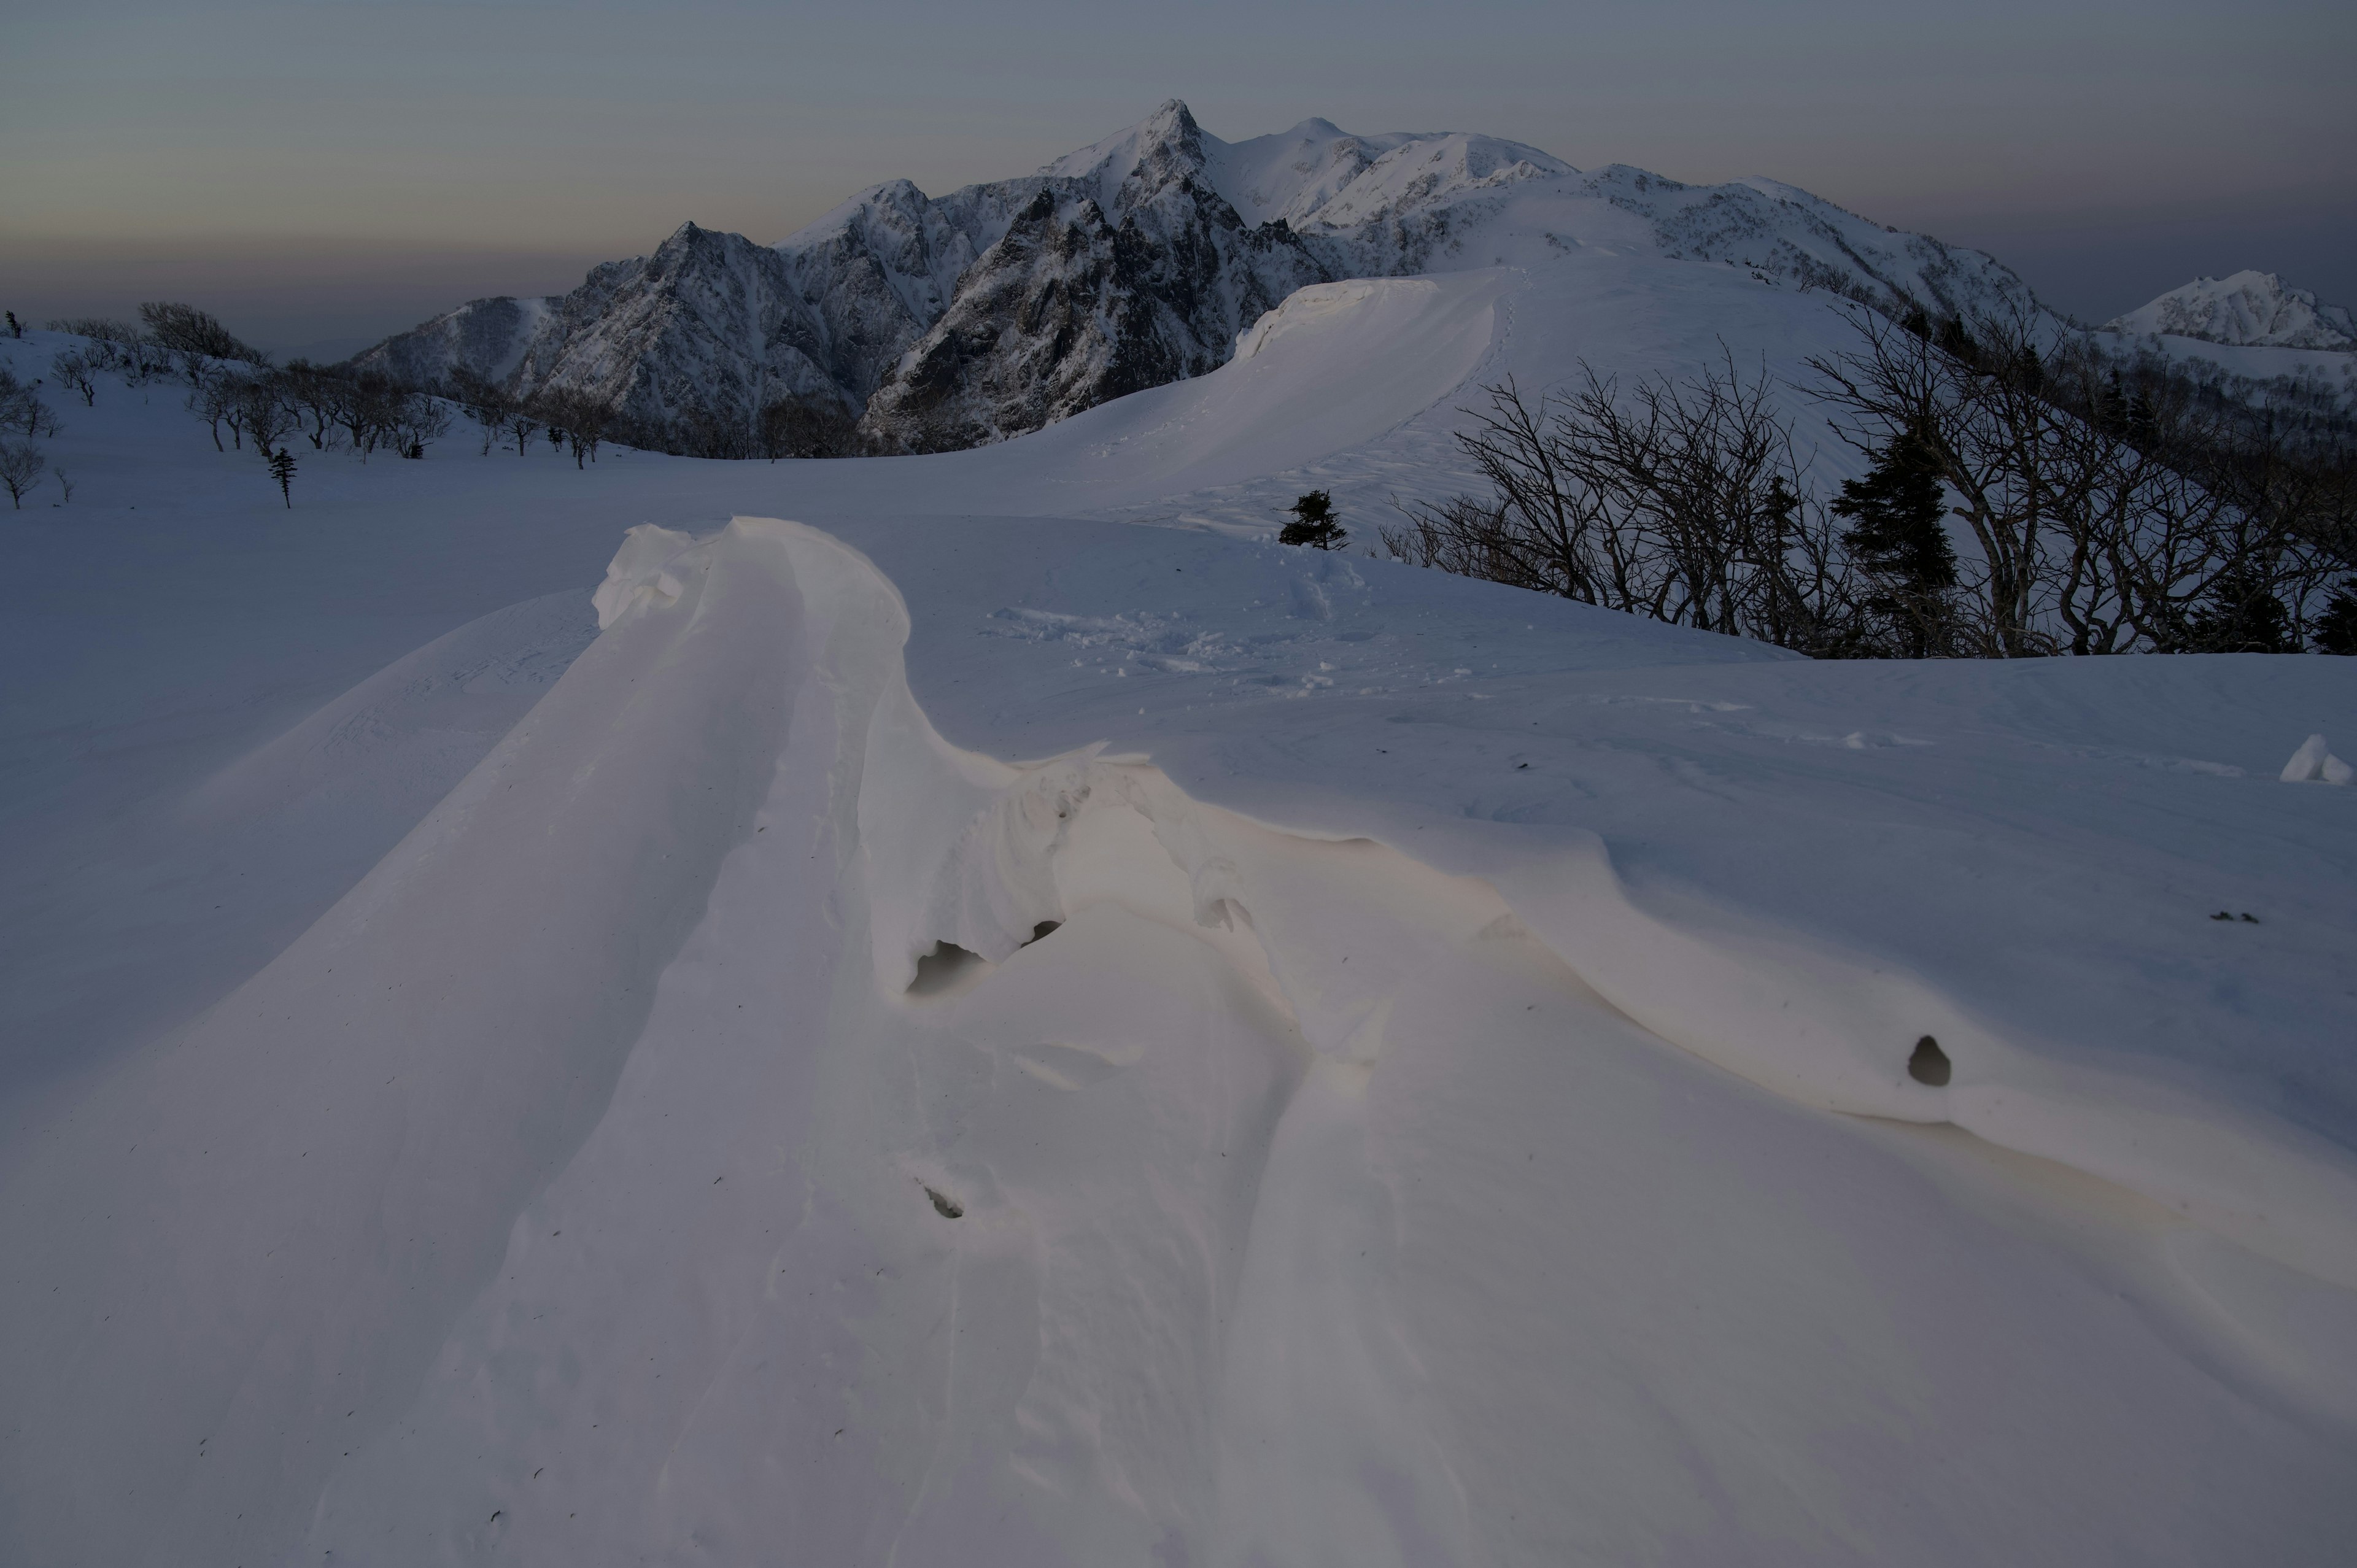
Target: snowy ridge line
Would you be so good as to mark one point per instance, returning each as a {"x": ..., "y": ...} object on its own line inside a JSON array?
[{"x": 1811, "y": 1025}]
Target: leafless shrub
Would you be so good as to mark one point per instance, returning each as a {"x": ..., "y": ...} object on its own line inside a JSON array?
[
  {"x": 184, "y": 330},
  {"x": 20, "y": 469},
  {"x": 21, "y": 408},
  {"x": 73, "y": 371}
]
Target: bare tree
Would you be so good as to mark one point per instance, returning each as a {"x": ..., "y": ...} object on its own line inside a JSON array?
[
  {"x": 1682, "y": 501},
  {"x": 414, "y": 419},
  {"x": 263, "y": 410},
  {"x": 485, "y": 402},
  {"x": 21, "y": 407},
  {"x": 581, "y": 418},
  {"x": 214, "y": 400},
  {"x": 522, "y": 422},
  {"x": 313, "y": 393},
  {"x": 20, "y": 469},
  {"x": 73, "y": 371},
  {"x": 368, "y": 408},
  {"x": 64, "y": 483}
]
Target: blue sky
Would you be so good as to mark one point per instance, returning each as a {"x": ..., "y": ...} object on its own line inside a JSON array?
[{"x": 323, "y": 170}]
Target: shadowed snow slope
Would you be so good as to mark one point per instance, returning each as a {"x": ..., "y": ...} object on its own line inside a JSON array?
[{"x": 973, "y": 1036}]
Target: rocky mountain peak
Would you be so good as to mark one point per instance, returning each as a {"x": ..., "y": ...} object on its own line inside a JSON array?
[{"x": 946, "y": 321}]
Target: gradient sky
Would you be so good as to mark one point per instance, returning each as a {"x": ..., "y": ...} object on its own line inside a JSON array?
[{"x": 320, "y": 172}]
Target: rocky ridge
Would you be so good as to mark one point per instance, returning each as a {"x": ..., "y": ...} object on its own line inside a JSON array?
[{"x": 947, "y": 322}]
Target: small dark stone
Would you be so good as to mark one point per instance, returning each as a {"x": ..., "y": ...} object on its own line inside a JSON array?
[
  {"x": 1929, "y": 1064},
  {"x": 946, "y": 1206}
]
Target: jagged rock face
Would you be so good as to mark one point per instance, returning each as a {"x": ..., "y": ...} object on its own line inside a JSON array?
[
  {"x": 1073, "y": 305},
  {"x": 2250, "y": 308},
  {"x": 950, "y": 321},
  {"x": 708, "y": 327}
]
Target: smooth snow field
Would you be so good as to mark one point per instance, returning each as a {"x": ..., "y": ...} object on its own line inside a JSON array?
[{"x": 975, "y": 1010}]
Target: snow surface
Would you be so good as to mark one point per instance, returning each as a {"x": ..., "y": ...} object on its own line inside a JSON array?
[{"x": 1418, "y": 1072}]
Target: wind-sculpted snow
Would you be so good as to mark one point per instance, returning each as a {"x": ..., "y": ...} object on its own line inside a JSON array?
[{"x": 739, "y": 1121}]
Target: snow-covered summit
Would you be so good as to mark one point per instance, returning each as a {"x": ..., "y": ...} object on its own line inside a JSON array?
[
  {"x": 995, "y": 309},
  {"x": 2249, "y": 309}
]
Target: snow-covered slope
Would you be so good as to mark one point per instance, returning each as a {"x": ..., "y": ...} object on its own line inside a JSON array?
[
  {"x": 2249, "y": 309},
  {"x": 1429, "y": 1081},
  {"x": 1003, "y": 308}
]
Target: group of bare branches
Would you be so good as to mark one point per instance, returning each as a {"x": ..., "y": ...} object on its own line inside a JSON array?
[
  {"x": 2022, "y": 498},
  {"x": 567, "y": 416},
  {"x": 333, "y": 410},
  {"x": 168, "y": 339},
  {"x": 2107, "y": 513},
  {"x": 24, "y": 416},
  {"x": 1680, "y": 501}
]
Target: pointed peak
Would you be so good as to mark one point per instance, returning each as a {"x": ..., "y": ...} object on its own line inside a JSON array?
[{"x": 1172, "y": 115}]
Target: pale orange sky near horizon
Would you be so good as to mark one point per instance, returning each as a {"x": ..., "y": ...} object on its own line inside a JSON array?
[{"x": 321, "y": 171}]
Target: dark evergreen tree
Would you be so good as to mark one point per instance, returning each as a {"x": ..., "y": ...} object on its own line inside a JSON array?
[
  {"x": 2240, "y": 614},
  {"x": 2336, "y": 629},
  {"x": 1313, "y": 523},
  {"x": 282, "y": 468},
  {"x": 1896, "y": 536}
]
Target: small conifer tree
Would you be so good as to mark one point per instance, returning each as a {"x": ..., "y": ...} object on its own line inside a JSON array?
[
  {"x": 1897, "y": 539},
  {"x": 1313, "y": 523},
  {"x": 282, "y": 468}
]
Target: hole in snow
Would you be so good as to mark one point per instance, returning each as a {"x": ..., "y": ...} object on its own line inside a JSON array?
[
  {"x": 1929, "y": 1064},
  {"x": 948, "y": 1208},
  {"x": 1040, "y": 931},
  {"x": 942, "y": 969}
]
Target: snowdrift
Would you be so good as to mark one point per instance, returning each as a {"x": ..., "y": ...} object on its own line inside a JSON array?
[{"x": 739, "y": 1124}]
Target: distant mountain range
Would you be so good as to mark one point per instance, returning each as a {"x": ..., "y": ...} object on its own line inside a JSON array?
[
  {"x": 2249, "y": 309},
  {"x": 946, "y": 322}
]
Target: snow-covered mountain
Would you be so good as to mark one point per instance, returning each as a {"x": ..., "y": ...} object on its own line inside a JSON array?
[
  {"x": 2249, "y": 309},
  {"x": 1002, "y": 308}
]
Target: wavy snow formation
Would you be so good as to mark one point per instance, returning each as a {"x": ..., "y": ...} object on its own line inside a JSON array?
[{"x": 738, "y": 1125}]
